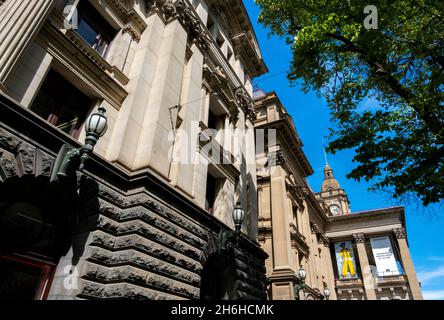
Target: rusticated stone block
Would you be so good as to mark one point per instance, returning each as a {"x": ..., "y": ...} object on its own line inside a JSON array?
[
  {"x": 111, "y": 195},
  {"x": 106, "y": 224},
  {"x": 161, "y": 223},
  {"x": 144, "y": 261},
  {"x": 167, "y": 213},
  {"x": 157, "y": 250},
  {"x": 109, "y": 210},
  {"x": 139, "y": 227},
  {"x": 122, "y": 291},
  {"x": 100, "y": 238}
]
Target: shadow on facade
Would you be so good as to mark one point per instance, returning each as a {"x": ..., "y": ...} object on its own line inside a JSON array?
[
  {"x": 38, "y": 221},
  {"x": 218, "y": 279}
]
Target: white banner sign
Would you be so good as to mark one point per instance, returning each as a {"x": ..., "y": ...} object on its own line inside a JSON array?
[{"x": 384, "y": 256}]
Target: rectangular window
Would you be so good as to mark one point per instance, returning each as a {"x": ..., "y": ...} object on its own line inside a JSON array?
[
  {"x": 24, "y": 279},
  {"x": 94, "y": 28},
  {"x": 215, "y": 183},
  {"x": 61, "y": 104}
]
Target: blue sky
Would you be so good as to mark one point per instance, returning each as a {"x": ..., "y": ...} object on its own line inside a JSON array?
[{"x": 311, "y": 117}]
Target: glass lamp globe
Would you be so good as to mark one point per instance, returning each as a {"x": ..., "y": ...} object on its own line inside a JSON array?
[
  {"x": 301, "y": 273},
  {"x": 327, "y": 293},
  {"x": 97, "y": 123},
  {"x": 238, "y": 216}
]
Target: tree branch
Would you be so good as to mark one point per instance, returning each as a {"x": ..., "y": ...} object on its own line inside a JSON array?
[{"x": 434, "y": 123}]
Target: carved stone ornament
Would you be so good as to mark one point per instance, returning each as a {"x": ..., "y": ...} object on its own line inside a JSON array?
[
  {"x": 399, "y": 233},
  {"x": 132, "y": 32},
  {"x": 245, "y": 102},
  {"x": 315, "y": 229},
  {"x": 179, "y": 9},
  {"x": 359, "y": 237},
  {"x": 324, "y": 240},
  {"x": 275, "y": 158}
]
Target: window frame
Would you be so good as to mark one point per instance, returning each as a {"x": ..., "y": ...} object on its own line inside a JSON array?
[
  {"x": 55, "y": 110},
  {"x": 47, "y": 267}
]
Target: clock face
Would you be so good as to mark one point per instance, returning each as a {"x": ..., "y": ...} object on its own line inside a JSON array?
[{"x": 335, "y": 210}]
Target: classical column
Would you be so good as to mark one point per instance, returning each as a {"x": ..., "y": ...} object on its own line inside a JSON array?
[
  {"x": 408, "y": 263},
  {"x": 20, "y": 20},
  {"x": 365, "y": 267}
]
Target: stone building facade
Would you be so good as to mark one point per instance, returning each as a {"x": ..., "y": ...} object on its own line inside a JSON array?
[
  {"x": 348, "y": 253},
  {"x": 142, "y": 220}
]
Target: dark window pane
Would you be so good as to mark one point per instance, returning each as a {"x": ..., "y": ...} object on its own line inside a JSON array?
[
  {"x": 20, "y": 280},
  {"x": 62, "y": 104},
  {"x": 94, "y": 28},
  {"x": 87, "y": 32},
  {"x": 210, "y": 193}
]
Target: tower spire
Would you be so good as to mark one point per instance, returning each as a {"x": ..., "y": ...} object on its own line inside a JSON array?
[{"x": 325, "y": 153}]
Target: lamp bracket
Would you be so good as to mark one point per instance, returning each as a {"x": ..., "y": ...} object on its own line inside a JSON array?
[
  {"x": 224, "y": 237},
  {"x": 297, "y": 288},
  {"x": 66, "y": 158}
]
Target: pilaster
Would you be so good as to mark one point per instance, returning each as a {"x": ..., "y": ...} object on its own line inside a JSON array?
[
  {"x": 407, "y": 262},
  {"x": 20, "y": 21},
  {"x": 365, "y": 267},
  {"x": 279, "y": 213}
]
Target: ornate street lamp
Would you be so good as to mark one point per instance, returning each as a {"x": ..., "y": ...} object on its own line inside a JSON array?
[
  {"x": 301, "y": 285},
  {"x": 238, "y": 216},
  {"x": 95, "y": 127},
  {"x": 326, "y": 293}
]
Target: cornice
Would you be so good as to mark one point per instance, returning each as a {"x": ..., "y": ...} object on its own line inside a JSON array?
[{"x": 377, "y": 214}]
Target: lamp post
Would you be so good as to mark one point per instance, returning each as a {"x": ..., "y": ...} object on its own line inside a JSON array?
[
  {"x": 301, "y": 285},
  {"x": 238, "y": 215},
  {"x": 95, "y": 126},
  {"x": 326, "y": 293}
]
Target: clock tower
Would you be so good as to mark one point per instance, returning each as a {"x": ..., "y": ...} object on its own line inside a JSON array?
[{"x": 333, "y": 195}]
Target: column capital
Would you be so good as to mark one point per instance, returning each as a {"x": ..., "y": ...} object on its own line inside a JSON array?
[
  {"x": 399, "y": 233},
  {"x": 359, "y": 237},
  {"x": 314, "y": 228},
  {"x": 324, "y": 240},
  {"x": 276, "y": 158}
]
